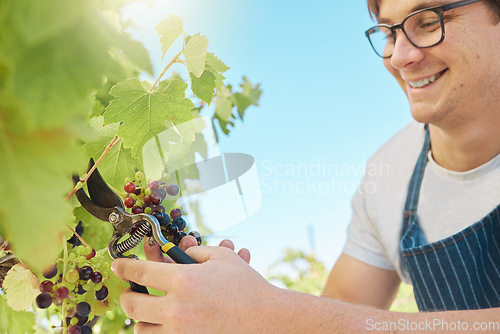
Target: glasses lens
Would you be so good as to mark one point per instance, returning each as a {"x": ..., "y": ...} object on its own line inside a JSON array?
[
  {"x": 381, "y": 40},
  {"x": 423, "y": 29}
]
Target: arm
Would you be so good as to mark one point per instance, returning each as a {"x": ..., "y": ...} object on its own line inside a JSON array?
[
  {"x": 223, "y": 294},
  {"x": 356, "y": 282}
]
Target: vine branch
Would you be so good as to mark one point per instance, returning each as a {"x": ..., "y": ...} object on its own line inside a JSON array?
[
  {"x": 165, "y": 69},
  {"x": 82, "y": 181}
]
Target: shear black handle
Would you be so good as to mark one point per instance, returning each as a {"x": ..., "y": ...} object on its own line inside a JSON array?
[
  {"x": 138, "y": 288},
  {"x": 177, "y": 254}
]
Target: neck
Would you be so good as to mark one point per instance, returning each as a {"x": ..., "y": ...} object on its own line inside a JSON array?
[{"x": 464, "y": 148}]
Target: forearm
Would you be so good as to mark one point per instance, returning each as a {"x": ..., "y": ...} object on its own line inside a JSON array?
[{"x": 294, "y": 312}]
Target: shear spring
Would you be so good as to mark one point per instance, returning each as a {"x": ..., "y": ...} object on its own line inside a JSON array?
[{"x": 134, "y": 239}]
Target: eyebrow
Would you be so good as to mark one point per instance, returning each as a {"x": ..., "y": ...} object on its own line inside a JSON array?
[{"x": 422, "y": 5}]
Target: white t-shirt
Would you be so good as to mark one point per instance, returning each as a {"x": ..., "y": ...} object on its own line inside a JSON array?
[{"x": 449, "y": 201}]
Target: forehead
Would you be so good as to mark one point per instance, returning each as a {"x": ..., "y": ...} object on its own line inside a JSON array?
[{"x": 392, "y": 11}]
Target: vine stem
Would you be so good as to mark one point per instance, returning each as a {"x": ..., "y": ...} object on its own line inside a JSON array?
[
  {"x": 78, "y": 236},
  {"x": 82, "y": 181},
  {"x": 165, "y": 69},
  {"x": 65, "y": 266}
]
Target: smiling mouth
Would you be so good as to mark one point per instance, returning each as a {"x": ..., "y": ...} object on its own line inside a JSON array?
[{"x": 425, "y": 82}]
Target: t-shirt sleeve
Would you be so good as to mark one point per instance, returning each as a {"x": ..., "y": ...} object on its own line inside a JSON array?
[{"x": 363, "y": 238}]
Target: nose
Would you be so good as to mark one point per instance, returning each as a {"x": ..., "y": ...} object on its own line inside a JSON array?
[{"x": 404, "y": 53}]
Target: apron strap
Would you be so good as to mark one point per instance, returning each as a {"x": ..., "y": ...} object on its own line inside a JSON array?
[{"x": 411, "y": 203}]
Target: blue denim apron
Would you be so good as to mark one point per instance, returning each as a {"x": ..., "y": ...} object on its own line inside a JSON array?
[{"x": 460, "y": 272}]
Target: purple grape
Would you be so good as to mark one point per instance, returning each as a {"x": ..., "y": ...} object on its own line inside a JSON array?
[
  {"x": 173, "y": 189},
  {"x": 50, "y": 272},
  {"x": 102, "y": 293},
  {"x": 83, "y": 309},
  {"x": 80, "y": 290},
  {"x": 85, "y": 273},
  {"x": 43, "y": 300},
  {"x": 163, "y": 194},
  {"x": 172, "y": 229},
  {"x": 153, "y": 185},
  {"x": 96, "y": 277},
  {"x": 86, "y": 330},
  {"x": 178, "y": 237},
  {"x": 81, "y": 320},
  {"x": 180, "y": 222}
]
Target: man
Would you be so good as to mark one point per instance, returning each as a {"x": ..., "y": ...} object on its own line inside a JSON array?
[{"x": 434, "y": 221}]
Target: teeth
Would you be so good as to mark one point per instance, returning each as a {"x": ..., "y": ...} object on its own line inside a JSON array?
[{"x": 424, "y": 82}]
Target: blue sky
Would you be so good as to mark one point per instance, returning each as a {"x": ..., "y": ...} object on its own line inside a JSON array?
[{"x": 327, "y": 105}]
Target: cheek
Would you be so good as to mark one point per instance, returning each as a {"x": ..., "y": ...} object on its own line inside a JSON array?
[{"x": 395, "y": 73}]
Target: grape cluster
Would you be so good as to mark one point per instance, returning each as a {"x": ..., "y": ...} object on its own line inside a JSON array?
[
  {"x": 142, "y": 198},
  {"x": 85, "y": 274},
  {"x": 173, "y": 226},
  {"x": 148, "y": 199}
]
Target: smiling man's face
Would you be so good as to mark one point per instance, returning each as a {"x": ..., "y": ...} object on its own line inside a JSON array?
[{"x": 455, "y": 80}]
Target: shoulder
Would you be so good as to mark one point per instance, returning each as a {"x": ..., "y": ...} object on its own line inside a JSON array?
[{"x": 402, "y": 147}]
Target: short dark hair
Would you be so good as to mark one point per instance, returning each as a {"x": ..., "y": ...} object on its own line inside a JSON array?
[{"x": 374, "y": 8}]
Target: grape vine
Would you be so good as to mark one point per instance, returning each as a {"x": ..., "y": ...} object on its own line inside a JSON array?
[{"x": 69, "y": 91}]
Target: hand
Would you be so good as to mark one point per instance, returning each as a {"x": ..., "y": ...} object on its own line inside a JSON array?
[
  {"x": 154, "y": 253},
  {"x": 219, "y": 294}
]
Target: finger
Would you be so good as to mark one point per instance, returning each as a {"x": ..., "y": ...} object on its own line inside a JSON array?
[
  {"x": 147, "y": 273},
  {"x": 145, "y": 328},
  {"x": 245, "y": 255},
  {"x": 153, "y": 253},
  {"x": 204, "y": 253},
  {"x": 187, "y": 241},
  {"x": 142, "y": 307},
  {"x": 227, "y": 243}
]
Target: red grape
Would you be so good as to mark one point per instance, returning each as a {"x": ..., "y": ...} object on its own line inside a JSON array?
[
  {"x": 75, "y": 330},
  {"x": 129, "y": 187},
  {"x": 129, "y": 202},
  {"x": 91, "y": 255},
  {"x": 175, "y": 213},
  {"x": 136, "y": 210},
  {"x": 62, "y": 293},
  {"x": 46, "y": 286},
  {"x": 155, "y": 198}
]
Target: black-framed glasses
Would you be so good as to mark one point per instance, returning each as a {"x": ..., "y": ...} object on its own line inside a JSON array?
[{"x": 423, "y": 28}]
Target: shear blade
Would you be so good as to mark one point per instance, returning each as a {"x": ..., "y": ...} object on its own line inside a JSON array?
[
  {"x": 89, "y": 205},
  {"x": 100, "y": 192}
]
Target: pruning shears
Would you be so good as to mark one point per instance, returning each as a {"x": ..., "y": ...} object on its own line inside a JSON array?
[{"x": 106, "y": 205}]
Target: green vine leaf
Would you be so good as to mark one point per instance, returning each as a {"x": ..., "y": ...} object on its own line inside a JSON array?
[
  {"x": 204, "y": 86},
  {"x": 118, "y": 163},
  {"x": 169, "y": 30},
  {"x": 145, "y": 114},
  {"x": 196, "y": 54},
  {"x": 216, "y": 66}
]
